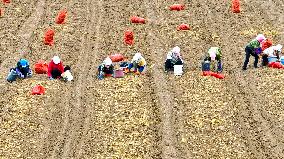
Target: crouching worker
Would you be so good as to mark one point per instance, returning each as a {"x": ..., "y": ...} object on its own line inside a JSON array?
[
  {"x": 66, "y": 75},
  {"x": 212, "y": 61},
  {"x": 55, "y": 68},
  {"x": 253, "y": 49},
  {"x": 271, "y": 54},
  {"x": 138, "y": 63},
  {"x": 105, "y": 69},
  {"x": 173, "y": 58},
  {"x": 22, "y": 70}
]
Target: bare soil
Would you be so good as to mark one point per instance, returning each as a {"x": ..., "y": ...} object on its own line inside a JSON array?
[{"x": 156, "y": 115}]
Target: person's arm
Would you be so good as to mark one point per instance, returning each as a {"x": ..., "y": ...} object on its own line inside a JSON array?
[{"x": 50, "y": 68}]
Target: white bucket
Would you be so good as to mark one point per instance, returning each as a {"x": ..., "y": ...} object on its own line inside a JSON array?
[{"x": 178, "y": 70}]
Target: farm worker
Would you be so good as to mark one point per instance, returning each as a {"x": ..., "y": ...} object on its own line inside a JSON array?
[
  {"x": 55, "y": 68},
  {"x": 66, "y": 75},
  {"x": 253, "y": 48},
  {"x": 214, "y": 56},
  {"x": 106, "y": 68},
  {"x": 173, "y": 58},
  {"x": 23, "y": 69},
  {"x": 138, "y": 63},
  {"x": 272, "y": 52}
]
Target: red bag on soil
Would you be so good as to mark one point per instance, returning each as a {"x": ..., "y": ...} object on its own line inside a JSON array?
[
  {"x": 38, "y": 90},
  {"x": 177, "y": 7},
  {"x": 236, "y": 7},
  {"x": 60, "y": 19},
  {"x": 6, "y": 1},
  {"x": 136, "y": 19},
  {"x": 206, "y": 73},
  {"x": 183, "y": 27},
  {"x": 128, "y": 37},
  {"x": 116, "y": 57},
  {"x": 266, "y": 44},
  {"x": 276, "y": 65},
  {"x": 41, "y": 67},
  {"x": 48, "y": 37},
  {"x": 217, "y": 75}
]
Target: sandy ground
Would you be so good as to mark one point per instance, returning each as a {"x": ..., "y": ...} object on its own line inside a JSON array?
[{"x": 152, "y": 116}]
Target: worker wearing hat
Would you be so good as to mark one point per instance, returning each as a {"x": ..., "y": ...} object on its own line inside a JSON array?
[
  {"x": 106, "y": 68},
  {"x": 253, "y": 49},
  {"x": 23, "y": 69},
  {"x": 173, "y": 58},
  {"x": 273, "y": 52},
  {"x": 213, "y": 57},
  {"x": 55, "y": 68},
  {"x": 138, "y": 63}
]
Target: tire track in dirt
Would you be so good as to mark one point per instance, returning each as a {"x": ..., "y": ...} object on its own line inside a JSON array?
[
  {"x": 247, "y": 85},
  {"x": 97, "y": 23},
  {"x": 257, "y": 124},
  {"x": 165, "y": 97},
  {"x": 26, "y": 31},
  {"x": 81, "y": 111},
  {"x": 57, "y": 107}
]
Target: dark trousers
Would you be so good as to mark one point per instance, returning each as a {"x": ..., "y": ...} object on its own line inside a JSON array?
[
  {"x": 264, "y": 60},
  {"x": 55, "y": 73},
  {"x": 250, "y": 52},
  {"x": 169, "y": 65}
]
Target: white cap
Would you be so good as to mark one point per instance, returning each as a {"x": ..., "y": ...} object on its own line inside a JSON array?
[
  {"x": 137, "y": 56},
  {"x": 176, "y": 50},
  {"x": 107, "y": 61},
  {"x": 56, "y": 60},
  {"x": 278, "y": 47}
]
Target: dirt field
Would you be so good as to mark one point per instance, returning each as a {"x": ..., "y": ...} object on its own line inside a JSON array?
[{"x": 156, "y": 115}]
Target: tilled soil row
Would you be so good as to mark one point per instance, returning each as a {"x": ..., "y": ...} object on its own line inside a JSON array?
[{"x": 123, "y": 115}]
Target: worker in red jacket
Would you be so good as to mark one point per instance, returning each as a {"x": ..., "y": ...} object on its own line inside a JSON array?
[{"x": 55, "y": 68}]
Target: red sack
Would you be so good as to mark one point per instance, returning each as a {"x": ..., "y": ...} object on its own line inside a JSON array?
[
  {"x": 136, "y": 19},
  {"x": 6, "y": 1},
  {"x": 266, "y": 44},
  {"x": 217, "y": 75},
  {"x": 276, "y": 65},
  {"x": 48, "y": 37},
  {"x": 116, "y": 57},
  {"x": 60, "y": 19},
  {"x": 206, "y": 73},
  {"x": 128, "y": 37},
  {"x": 183, "y": 27},
  {"x": 38, "y": 90},
  {"x": 236, "y": 8},
  {"x": 41, "y": 67},
  {"x": 177, "y": 7}
]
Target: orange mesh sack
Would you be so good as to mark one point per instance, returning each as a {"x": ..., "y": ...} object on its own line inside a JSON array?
[
  {"x": 41, "y": 67},
  {"x": 60, "y": 19},
  {"x": 48, "y": 37},
  {"x": 236, "y": 7}
]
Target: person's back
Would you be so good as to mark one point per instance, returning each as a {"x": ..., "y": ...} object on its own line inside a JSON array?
[{"x": 23, "y": 68}]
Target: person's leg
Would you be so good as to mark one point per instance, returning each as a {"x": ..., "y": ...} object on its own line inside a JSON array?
[
  {"x": 247, "y": 56},
  {"x": 130, "y": 66},
  {"x": 256, "y": 60},
  {"x": 219, "y": 66},
  {"x": 55, "y": 73},
  {"x": 264, "y": 60},
  {"x": 168, "y": 64},
  {"x": 141, "y": 69}
]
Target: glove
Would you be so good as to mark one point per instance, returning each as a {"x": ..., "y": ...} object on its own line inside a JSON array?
[{"x": 258, "y": 51}]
